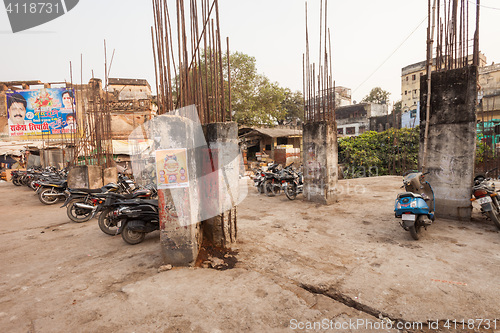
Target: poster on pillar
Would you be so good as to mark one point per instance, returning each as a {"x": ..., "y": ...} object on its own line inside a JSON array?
[
  {"x": 41, "y": 111},
  {"x": 171, "y": 168}
]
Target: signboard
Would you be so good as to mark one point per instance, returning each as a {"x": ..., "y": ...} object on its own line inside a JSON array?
[
  {"x": 41, "y": 111},
  {"x": 171, "y": 168}
]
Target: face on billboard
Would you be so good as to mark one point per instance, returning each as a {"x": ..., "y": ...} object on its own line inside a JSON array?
[
  {"x": 67, "y": 100},
  {"x": 17, "y": 112}
]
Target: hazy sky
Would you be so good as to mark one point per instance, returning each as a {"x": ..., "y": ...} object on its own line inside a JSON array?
[{"x": 365, "y": 33}]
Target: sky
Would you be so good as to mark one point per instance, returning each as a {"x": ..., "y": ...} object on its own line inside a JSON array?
[{"x": 371, "y": 40}]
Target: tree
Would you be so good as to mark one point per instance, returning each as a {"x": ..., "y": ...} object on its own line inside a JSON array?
[
  {"x": 293, "y": 104},
  {"x": 377, "y": 95},
  {"x": 254, "y": 98},
  {"x": 397, "y": 107}
]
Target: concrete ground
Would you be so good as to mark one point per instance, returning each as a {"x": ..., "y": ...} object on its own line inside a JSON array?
[{"x": 348, "y": 267}]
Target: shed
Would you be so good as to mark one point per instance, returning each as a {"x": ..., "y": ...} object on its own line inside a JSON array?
[{"x": 266, "y": 140}]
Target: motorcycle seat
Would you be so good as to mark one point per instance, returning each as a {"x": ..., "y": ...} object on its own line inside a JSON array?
[
  {"x": 56, "y": 182},
  {"x": 409, "y": 195},
  {"x": 86, "y": 190}
]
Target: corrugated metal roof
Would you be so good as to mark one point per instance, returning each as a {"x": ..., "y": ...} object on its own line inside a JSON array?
[{"x": 275, "y": 132}]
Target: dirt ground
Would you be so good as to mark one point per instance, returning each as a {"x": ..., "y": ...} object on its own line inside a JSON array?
[{"x": 348, "y": 267}]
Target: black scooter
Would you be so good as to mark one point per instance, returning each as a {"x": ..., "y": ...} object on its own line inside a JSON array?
[
  {"x": 114, "y": 201},
  {"x": 135, "y": 221}
]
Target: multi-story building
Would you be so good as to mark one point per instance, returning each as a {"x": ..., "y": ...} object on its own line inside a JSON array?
[
  {"x": 356, "y": 119},
  {"x": 489, "y": 93},
  {"x": 410, "y": 86}
]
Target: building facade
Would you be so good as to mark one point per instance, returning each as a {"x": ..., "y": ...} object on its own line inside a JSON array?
[
  {"x": 353, "y": 120},
  {"x": 411, "y": 76}
]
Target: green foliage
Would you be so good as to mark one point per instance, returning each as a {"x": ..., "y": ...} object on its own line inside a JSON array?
[
  {"x": 483, "y": 152},
  {"x": 376, "y": 95},
  {"x": 392, "y": 152},
  {"x": 255, "y": 99},
  {"x": 293, "y": 105},
  {"x": 397, "y": 107}
]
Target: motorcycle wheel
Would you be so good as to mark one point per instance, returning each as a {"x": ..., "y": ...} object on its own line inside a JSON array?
[
  {"x": 132, "y": 237},
  {"x": 416, "y": 229},
  {"x": 77, "y": 214},
  {"x": 260, "y": 188},
  {"x": 47, "y": 200},
  {"x": 291, "y": 191},
  {"x": 415, "y": 232},
  {"x": 269, "y": 188},
  {"x": 493, "y": 215},
  {"x": 31, "y": 185},
  {"x": 107, "y": 226},
  {"x": 16, "y": 181}
]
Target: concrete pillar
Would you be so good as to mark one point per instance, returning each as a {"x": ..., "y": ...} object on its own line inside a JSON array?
[
  {"x": 110, "y": 175},
  {"x": 320, "y": 162},
  {"x": 85, "y": 176},
  {"x": 219, "y": 188},
  {"x": 452, "y": 139},
  {"x": 180, "y": 232}
]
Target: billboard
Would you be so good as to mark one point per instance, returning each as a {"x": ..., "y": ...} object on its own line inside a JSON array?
[{"x": 41, "y": 111}]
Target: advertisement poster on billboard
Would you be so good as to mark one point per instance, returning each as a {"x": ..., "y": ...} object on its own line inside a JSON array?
[
  {"x": 171, "y": 168},
  {"x": 41, "y": 111}
]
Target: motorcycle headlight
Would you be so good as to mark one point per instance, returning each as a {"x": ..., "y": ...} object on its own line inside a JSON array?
[
  {"x": 413, "y": 204},
  {"x": 398, "y": 205}
]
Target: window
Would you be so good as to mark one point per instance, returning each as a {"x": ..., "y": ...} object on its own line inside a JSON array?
[
  {"x": 407, "y": 78},
  {"x": 340, "y": 131},
  {"x": 413, "y": 77},
  {"x": 350, "y": 130},
  {"x": 406, "y": 92},
  {"x": 413, "y": 113},
  {"x": 415, "y": 91},
  {"x": 362, "y": 129}
]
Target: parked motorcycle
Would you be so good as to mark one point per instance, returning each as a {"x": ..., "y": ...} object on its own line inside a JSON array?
[
  {"x": 416, "y": 206},
  {"x": 135, "y": 221},
  {"x": 260, "y": 176},
  {"x": 107, "y": 223},
  {"x": 275, "y": 180},
  {"x": 485, "y": 194},
  {"x": 294, "y": 186},
  {"x": 51, "y": 192},
  {"x": 83, "y": 204},
  {"x": 16, "y": 177}
]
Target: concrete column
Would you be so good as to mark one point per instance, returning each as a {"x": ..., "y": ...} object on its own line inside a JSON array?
[
  {"x": 219, "y": 187},
  {"x": 320, "y": 162},
  {"x": 452, "y": 139},
  {"x": 180, "y": 233},
  {"x": 85, "y": 176}
]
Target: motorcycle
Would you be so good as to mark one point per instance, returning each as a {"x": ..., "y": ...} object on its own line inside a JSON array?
[
  {"x": 485, "y": 194},
  {"x": 294, "y": 186},
  {"x": 51, "y": 192},
  {"x": 275, "y": 180},
  {"x": 260, "y": 176},
  {"x": 416, "y": 206},
  {"x": 83, "y": 204},
  {"x": 107, "y": 223},
  {"x": 16, "y": 177},
  {"x": 135, "y": 221}
]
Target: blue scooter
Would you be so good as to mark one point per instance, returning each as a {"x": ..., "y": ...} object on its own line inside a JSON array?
[{"x": 416, "y": 206}]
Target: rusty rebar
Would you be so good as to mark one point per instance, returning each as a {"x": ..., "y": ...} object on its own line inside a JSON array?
[{"x": 200, "y": 77}]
